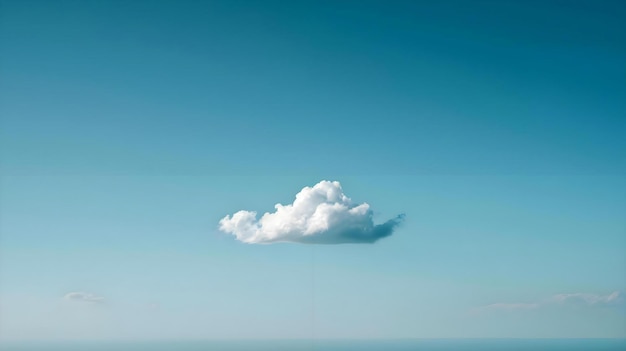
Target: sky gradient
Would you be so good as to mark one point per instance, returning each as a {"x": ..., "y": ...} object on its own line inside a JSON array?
[{"x": 130, "y": 129}]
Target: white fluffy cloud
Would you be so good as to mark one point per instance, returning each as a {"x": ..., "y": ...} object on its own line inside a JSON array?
[
  {"x": 321, "y": 214},
  {"x": 83, "y": 297},
  {"x": 583, "y": 299}
]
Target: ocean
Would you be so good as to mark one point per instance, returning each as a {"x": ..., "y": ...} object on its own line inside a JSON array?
[{"x": 328, "y": 345}]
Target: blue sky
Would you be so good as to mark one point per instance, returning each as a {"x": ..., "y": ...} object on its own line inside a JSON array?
[{"x": 129, "y": 130}]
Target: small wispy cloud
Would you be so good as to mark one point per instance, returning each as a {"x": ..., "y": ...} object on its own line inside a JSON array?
[
  {"x": 589, "y": 299},
  {"x": 83, "y": 297},
  {"x": 321, "y": 214},
  {"x": 584, "y": 299}
]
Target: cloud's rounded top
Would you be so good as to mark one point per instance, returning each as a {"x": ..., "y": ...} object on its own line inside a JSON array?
[{"x": 321, "y": 214}]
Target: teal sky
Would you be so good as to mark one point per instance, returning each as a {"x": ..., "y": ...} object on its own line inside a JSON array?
[{"x": 130, "y": 129}]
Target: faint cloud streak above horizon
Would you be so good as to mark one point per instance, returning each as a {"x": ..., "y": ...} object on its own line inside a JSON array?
[
  {"x": 83, "y": 297},
  {"x": 582, "y": 299},
  {"x": 321, "y": 214}
]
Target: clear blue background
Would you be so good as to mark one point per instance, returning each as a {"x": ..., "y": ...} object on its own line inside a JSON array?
[{"x": 128, "y": 129}]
